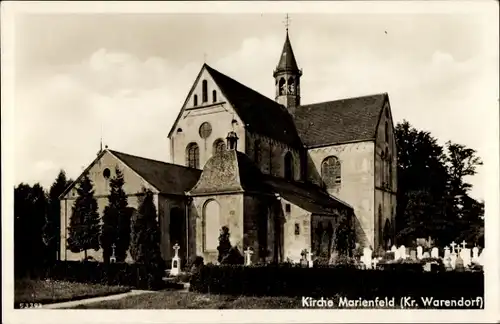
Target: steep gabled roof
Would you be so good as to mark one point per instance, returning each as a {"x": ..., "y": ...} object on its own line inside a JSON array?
[
  {"x": 339, "y": 121},
  {"x": 166, "y": 177},
  {"x": 260, "y": 114}
]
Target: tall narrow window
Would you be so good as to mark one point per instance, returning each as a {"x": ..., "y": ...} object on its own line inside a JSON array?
[
  {"x": 195, "y": 100},
  {"x": 289, "y": 166},
  {"x": 386, "y": 131},
  {"x": 257, "y": 152},
  {"x": 387, "y": 166},
  {"x": 204, "y": 91},
  {"x": 331, "y": 172},
  {"x": 219, "y": 146},
  {"x": 389, "y": 162},
  {"x": 214, "y": 96},
  {"x": 193, "y": 155}
]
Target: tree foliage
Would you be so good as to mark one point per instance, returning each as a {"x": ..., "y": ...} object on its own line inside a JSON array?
[
  {"x": 30, "y": 206},
  {"x": 52, "y": 228},
  {"x": 433, "y": 192},
  {"x": 84, "y": 226},
  {"x": 116, "y": 220},
  {"x": 145, "y": 232}
]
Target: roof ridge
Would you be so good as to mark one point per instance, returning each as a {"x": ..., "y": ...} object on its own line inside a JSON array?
[
  {"x": 243, "y": 85},
  {"x": 152, "y": 160},
  {"x": 348, "y": 98}
]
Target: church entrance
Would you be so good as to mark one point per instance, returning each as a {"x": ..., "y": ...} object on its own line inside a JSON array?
[{"x": 177, "y": 231}]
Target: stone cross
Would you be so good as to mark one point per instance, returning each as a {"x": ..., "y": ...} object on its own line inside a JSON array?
[
  {"x": 176, "y": 249},
  {"x": 248, "y": 256},
  {"x": 465, "y": 255},
  {"x": 464, "y": 244},
  {"x": 112, "y": 259},
  {"x": 176, "y": 268},
  {"x": 453, "y": 260},
  {"x": 420, "y": 252},
  {"x": 435, "y": 253},
  {"x": 453, "y": 244}
]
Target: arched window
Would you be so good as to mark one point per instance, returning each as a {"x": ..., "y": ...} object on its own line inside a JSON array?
[
  {"x": 211, "y": 225},
  {"x": 282, "y": 86},
  {"x": 386, "y": 131},
  {"x": 257, "y": 152},
  {"x": 219, "y": 146},
  {"x": 204, "y": 90},
  {"x": 291, "y": 86},
  {"x": 193, "y": 155},
  {"x": 331, "y": 172},
  {"x": 195, "y": 100},
  {"x": 214, "y": 96},
  {"x": 289, "y": 166},
  {"x": 387, "y": 166}
]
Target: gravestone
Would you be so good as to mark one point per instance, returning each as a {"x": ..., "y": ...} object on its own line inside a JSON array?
[
  {"x": 475, "y": 254},
  {"x": 375, "y": 261},
  {"x": 426, "y": 255},
  {"x": 413, "y": 255},
  {"x": 402, "y": 252},
  {"x": 465, "y": 255},
  {"x": 447, "y": 262},
  {"x": 395, "y": 250},
  {"x": 481, "y": 257},
  {"x": 248, "y": 256},
  {"x": 420, "y": 252},
  {"x": 459, "y": 264},
  {"x": 453, "y": 260},
  {"x": 176, "y": 262},
  {"x": 367, "y": 257},
  {"x": 446, "y": 252},
  {"x": 435, "y": 253},
  {"x": 310, "y": 259}
]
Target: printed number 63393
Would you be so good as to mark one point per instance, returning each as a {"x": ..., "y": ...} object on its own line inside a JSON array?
[{"x": 30, "y": 305}]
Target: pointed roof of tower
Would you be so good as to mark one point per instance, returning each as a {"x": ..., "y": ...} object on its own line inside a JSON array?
[{"x": 287, "y": 60}]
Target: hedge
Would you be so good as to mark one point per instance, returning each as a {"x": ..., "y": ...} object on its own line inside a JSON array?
[
  {"x": 282, "y": 280},
  {"x": 140, "y": 276}
]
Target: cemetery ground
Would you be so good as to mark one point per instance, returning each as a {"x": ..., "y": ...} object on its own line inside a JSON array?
[{"x": 39, "y": 292}]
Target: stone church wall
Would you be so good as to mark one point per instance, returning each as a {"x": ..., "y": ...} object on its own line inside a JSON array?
[
  {"x": 230, "y": 215},
  {"x": 357, "y": 184},
  {"x": 272, "y": 155},
  {"x": 220, "y": 116},
  {"x": 296, "y": 241}
]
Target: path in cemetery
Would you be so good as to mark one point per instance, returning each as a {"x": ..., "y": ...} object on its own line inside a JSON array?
[{"x": 96, "y": 299}]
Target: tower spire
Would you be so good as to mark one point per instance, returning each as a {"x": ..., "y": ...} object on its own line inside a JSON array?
[{"x": 287, "y": 22}]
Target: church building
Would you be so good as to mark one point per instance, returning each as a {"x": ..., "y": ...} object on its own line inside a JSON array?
[{"x": 279, "y": 174}]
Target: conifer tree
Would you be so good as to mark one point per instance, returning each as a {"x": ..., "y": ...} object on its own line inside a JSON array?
[
  {"x": 116, "y": 220},
  {"x": 84, "y": 227},
  {"x": 51, "y": 230},
  {"x": 145, "y": 231}
]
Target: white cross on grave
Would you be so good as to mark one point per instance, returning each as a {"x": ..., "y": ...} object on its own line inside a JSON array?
[
  {"x": 112, "y": 259},
  {"x": 464, "y": 244},
  {"x": 248, "y": 256},
  {"x": 453, "y": 244},
  {"x": 176, "y": 261}
]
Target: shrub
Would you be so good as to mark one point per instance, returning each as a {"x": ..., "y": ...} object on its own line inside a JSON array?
[
  {"x": 141, "y": 276},
  {"x": 293, "y": 280}
]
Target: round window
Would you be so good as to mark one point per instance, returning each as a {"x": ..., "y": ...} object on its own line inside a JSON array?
[
  {"x": 106, "y": 173},
  {"x": 205, "y": 130}
]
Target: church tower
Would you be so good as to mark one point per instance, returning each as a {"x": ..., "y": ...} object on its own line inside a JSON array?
[{"x": 287, "y": 78}]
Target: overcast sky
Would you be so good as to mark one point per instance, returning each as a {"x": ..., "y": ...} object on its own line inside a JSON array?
[{"x": 130, "y": 74}]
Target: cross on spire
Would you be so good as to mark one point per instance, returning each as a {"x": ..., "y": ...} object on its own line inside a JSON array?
[{"x": 287, "y": 21}]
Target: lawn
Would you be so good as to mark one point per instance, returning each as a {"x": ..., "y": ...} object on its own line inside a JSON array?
[
  {"x": 46, "y": 292},
  {"x": 191, "y": 300}
]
